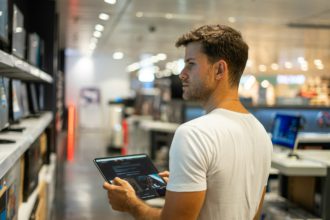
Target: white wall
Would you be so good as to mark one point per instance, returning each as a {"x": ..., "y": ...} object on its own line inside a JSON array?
[{"x": 99, "y": 71}]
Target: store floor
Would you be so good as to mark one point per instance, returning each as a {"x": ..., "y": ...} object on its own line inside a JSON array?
[{"x": 79, "y": 192}]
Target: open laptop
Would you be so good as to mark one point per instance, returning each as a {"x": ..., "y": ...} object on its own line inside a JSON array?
[{"x": 284, "y": 133}]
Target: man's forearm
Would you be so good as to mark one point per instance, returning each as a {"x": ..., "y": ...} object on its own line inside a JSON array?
[{"x": 142, "y": 211}]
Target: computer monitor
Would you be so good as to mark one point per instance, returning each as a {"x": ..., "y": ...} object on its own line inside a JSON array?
[
  {"x": 15, "y": 101},
  {"x": 24, "y": 100},
  {"x": 4, "y": 21},
  {"x": 19, "y": 33},
  {"x": 34, "y": 49},
  {"x": 285, "y": 130},
  {"x": 33, "y": 99},
  {"x": 4, "y": 113},
  {"x": 4, "y": 108},
  {"x": 41, "y": 97},
  {"x": 192, "y": 111}
]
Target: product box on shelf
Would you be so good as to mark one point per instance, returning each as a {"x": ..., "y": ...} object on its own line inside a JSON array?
[
  {"x": 32, "y": 165},
  {"x": 9, "y": 193}
]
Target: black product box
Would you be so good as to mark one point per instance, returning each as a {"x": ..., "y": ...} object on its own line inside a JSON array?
[{"x": 32, "y": 166}]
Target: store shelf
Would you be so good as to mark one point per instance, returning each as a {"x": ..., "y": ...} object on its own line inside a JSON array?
[
  {"x": 10, "y": 153},
  {"x": 47, "y": 174},
  {"x": 13, "y": 67}
]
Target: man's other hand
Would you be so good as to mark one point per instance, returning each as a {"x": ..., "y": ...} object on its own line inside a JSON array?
[
  {"x": 165, "y": 175},
  {"x": 121, "y": 195}
]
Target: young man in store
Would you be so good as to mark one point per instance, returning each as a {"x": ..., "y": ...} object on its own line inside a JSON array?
[{"x": 220, "y": 162}]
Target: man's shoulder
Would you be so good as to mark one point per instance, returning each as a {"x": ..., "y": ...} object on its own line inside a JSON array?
[{"x": 200, "y": 125}]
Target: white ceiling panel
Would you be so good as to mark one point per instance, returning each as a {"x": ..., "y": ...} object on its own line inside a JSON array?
[{"x": 276, "y": 30}]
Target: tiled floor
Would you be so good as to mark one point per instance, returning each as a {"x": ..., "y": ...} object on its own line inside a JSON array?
[{"x": 79, "y": 193}]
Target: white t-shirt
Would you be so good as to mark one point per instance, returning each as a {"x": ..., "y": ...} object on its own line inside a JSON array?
[{"x": 226, "y": 153}]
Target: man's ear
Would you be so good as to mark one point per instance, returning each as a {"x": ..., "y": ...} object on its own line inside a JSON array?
[{"x": 220, "y": 69}]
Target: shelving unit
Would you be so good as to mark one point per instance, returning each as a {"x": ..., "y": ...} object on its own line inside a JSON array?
[
  {"x": 40, "y": 18},
  {"x": 47, "y": 174},
  {"x": 10, "y": 153},
  {"x": 13, "y": 67}
]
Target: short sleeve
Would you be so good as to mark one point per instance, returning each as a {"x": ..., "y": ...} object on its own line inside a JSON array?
[{"x": 189, "y": 160}]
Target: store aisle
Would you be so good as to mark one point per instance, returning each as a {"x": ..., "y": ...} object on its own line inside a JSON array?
[{"x": 79, "y": 193}]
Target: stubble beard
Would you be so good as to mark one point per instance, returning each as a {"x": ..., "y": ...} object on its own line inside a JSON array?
[{"x": 199, "y": 91}]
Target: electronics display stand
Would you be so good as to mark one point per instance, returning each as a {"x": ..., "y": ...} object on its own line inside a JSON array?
[
  {"x": 14, "y": 128},
  {"x": 293, "y": 153},
  {"x": 7, "y": 141},
  {"x": 34, "y": 115}
]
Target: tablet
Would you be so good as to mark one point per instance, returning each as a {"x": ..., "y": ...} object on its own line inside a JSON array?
[{"x": 138, "y": 170}]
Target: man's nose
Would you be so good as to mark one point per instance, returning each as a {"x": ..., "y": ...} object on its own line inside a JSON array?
[{"x": 183, "y": 74}]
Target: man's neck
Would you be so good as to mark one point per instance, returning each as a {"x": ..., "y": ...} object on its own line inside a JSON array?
[{"x": 227, "y": 100}]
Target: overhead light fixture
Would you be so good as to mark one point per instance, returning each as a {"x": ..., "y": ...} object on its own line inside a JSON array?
[
  {"x": 265, "y": 84},
  {"x": 133, "y": 67},
  {"x": 97, "y": 34},
  {"x": 317, "y": 62},
  {"x": 274, "y": 66},
  {"x": 304, "y": 68},
  {"x": 139, "y": 14},
  {"x": 168, "y": 16},
  {"x": 288, "y": 65},
  {"x": 262, "y": 68},
  {"x": 18, "y": 30},
  {"x": 99, "y": 27},
  {"x": 232, "y": 19},
  {"x": 104, "y": 16},
  {"x": 320, "y": 67},
  {"x": 118, "y": 55},
  {"x": 249, "y": 63},
  {"x": 111, "y": 2},
  {"x": 161, "y": 56},
  {"x": 301, "y": 60}
]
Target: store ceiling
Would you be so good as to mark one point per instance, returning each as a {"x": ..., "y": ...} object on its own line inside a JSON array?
[{"x": 277, "y": 31}]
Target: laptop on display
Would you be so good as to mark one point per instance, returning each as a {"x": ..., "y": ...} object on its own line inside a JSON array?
[{"x": 284, "y": 133}]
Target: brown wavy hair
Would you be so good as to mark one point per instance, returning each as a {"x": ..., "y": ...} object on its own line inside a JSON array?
[{"x": 220, "y": 42}]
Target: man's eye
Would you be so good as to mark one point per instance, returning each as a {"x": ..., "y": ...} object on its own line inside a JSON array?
[{"x": 189, "y": 65}]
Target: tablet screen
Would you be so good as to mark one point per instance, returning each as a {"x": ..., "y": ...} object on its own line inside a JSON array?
[{"x": 138, "y": 170}]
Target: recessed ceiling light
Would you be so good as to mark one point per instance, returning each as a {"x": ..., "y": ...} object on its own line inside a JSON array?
[
  {"x": 99, "y": 27},
  {"x": 317, "y": 62},
  {"x": 249, "y": 63},
  {"x": 320, "y": 67},
  {"x": 18, "y": 30},
  {"x": 301, "y": 60},
  {"x": 161, "y": 56},
  {"x": 112, "y": 2},
  {"x": 104, "y": 16},
  {"x": 232, "y": 19},
  {"x": 168, "y": 16},
  {"x": 304, "y": 68},
  {"x": 288, "y": 65},
  {"x": 139, "y": 14},
  {"x": 265, "y": 84},
  {"x": 97, "y": 34},
  {"x": 262, "y": 68},
  {"x": 274, "y": 66},
  {"x": 118, "y": 55}
]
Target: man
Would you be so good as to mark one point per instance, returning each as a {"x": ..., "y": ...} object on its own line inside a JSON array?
[{"x": 219, "y": 163}]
